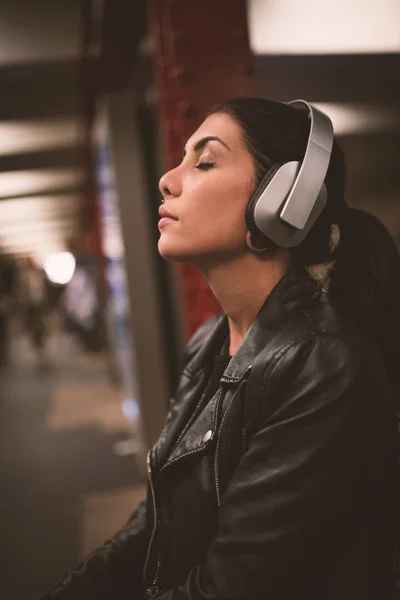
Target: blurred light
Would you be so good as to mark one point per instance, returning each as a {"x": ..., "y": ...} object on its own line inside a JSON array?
[
  {"x": 127, "y": 447},
  {"x": 33, "y": 239},
  {"x": 356, "y": 117},
  {"x": 42, "y": 252},
  {"x": 39, "y": 208},
  {"x": 19, "y": 183},
  {"x": 112, "y": 241},
  {"x": 40, "y": 134},
  {"x": 49, "y": 249},
  {"x": 324, "y": 27},
  {"x": 60, "y": 267},
  {"x": 130, "y": 409},
  {"x": 11, "y": 228},
  {"x": 38, "y": 225}
]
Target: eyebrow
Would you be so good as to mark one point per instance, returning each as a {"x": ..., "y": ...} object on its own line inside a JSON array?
[{"x": 201, "y": 143}]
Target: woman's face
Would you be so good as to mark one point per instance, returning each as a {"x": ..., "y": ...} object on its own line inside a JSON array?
[{"x": 207, "y": 196}]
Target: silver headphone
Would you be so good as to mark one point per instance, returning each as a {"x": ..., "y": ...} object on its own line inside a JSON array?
[{"x": 292, "y": 195}]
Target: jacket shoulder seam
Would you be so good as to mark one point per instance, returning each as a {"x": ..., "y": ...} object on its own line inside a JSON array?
[{"x": 266, "y": 376}]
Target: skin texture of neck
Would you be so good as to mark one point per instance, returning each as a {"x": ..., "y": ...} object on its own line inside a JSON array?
[{"x": 242, "y": 287}]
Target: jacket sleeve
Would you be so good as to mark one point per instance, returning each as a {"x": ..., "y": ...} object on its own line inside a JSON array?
[
  {"x": 112, "y": 571},
  {"x": 299, "y": 484}
]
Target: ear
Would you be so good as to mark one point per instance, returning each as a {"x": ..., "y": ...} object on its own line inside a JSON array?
[{"x": 255, "y": 245}]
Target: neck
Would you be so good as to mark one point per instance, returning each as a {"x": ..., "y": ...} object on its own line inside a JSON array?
[{"x": 241, "y": 289}]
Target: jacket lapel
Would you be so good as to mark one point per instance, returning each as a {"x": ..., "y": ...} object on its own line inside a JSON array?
[
  {"x": 191, "y": 387},
  {"x": 199, "y": 432}
]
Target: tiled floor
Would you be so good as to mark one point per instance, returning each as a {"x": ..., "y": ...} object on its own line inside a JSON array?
[{"x": 63, "y": 488}]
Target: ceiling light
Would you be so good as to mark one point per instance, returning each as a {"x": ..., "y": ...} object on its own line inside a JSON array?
[
  {"x": 324, "y": 27},
  {"x": 20, "y": 183},
  {"x": 358, "y": 117},
  {"x": 60, "y": 267},
  {"x": 41, "y": 134}
]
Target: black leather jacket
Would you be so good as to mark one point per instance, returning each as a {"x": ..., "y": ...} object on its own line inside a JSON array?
[{"x": 284, "y": 486}]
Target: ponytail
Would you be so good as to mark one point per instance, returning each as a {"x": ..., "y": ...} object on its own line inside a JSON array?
[{"x": 365, "y": 284}]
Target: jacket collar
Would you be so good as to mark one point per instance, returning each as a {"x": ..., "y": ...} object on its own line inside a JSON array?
[{"x": 289, "y": 298}]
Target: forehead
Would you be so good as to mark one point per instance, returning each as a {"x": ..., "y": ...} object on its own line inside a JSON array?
[{"x": 222, "y": 126}]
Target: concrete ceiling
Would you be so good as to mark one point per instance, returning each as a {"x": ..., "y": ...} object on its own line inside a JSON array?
[
  {"x": 41, "y": 166},
  {"x": 43, "y": 31}
]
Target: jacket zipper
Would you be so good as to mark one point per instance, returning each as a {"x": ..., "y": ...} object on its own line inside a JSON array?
[
  {"x": 153, "y": 533},
  {"x": 153, "y": 589},
  {"x": 216, "y": 456},
  {"x": 156, "y": 576},
  {"x": 149, "y": 473}
]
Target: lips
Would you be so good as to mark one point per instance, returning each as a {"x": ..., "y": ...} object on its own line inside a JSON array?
[{"x": 164, "y": 213}]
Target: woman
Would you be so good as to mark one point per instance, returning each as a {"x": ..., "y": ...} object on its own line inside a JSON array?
[{"x": 276, "y": 474}]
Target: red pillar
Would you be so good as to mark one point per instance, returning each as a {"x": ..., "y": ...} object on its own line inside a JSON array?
[{"x": 202, "y": 56}]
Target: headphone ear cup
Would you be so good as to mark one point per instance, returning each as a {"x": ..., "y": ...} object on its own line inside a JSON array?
[{"x": 249, "y": 215}]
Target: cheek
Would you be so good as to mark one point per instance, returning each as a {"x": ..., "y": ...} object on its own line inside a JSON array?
[
  {"x": 219, "y": 203},
  {"x": 221, "y": 220},
  {"x": 212, "y": 218}
]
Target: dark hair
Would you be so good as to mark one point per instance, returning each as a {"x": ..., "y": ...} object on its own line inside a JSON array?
[{"x": 365, "y": 276}]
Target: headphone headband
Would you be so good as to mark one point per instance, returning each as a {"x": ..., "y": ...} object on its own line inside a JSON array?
[
  {"x": 292, "y": 195},
  {"x": 310, "y": 179}
]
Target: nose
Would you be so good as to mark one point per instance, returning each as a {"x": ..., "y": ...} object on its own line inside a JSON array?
[{"x": 169, "y": 185}]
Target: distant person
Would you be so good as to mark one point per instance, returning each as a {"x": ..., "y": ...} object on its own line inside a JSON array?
[
  {"x": 33, "y": 302},
  {"x": 82, "y": 307},
  {"x": 276, "y": 476}
]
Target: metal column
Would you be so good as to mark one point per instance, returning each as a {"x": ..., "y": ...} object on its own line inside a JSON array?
[{"x": 146, "y": 325}]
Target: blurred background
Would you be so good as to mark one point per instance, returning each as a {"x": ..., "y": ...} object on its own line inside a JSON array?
[{"x": 97, "y": 99}]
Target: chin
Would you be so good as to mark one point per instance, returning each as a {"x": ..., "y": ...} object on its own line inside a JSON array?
[
  {"x": 201, "y": 256},
  {"x": 171, "y": 251},
  {"x": 177, "y": 254}
]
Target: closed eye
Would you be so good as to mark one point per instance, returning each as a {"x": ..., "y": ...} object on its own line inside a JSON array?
[{"x": 204, "y": 166}]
